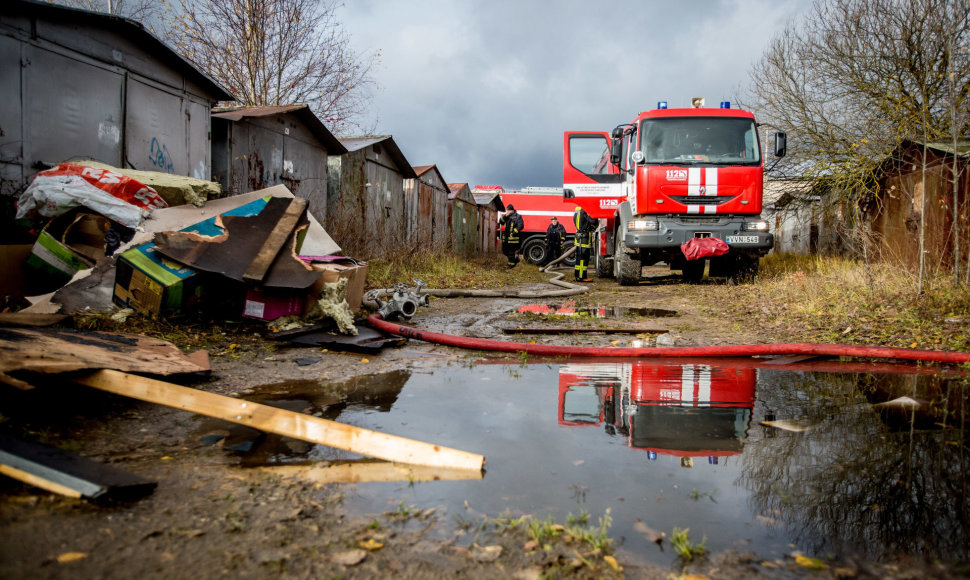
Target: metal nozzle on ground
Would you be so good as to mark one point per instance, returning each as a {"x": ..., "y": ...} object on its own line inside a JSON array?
[{"x": 403, "y": 303}]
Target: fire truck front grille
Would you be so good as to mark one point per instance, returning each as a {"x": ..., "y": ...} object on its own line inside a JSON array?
[{"x": 700, "y": 199}]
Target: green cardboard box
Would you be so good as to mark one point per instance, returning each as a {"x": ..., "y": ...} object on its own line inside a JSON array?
[{"x": 152, "y": 284}]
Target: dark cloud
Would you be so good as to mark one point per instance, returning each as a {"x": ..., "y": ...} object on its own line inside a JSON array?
[{"x": 486, "y": 89}]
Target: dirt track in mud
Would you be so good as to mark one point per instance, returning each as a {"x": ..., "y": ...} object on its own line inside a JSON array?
[{"x": 208, "y": 518}]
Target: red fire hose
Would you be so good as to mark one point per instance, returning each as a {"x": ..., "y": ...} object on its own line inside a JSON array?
[{"x": 858, "y": 351}]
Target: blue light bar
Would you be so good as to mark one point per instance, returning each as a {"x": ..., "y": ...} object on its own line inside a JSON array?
[
  {"x": 662, "y": 104},
  {"x": 725, "y": 104}
]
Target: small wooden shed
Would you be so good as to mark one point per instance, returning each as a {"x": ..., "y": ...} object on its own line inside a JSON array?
[
  {"x": 258, "y": 147},
  {"x": 903, "y": 202},
  {"x": 365, "y": 195},
  {"x": 463, "y": 219}
]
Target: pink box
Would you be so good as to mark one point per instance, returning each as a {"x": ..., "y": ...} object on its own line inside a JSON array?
[{"x": 270, "y": 304}]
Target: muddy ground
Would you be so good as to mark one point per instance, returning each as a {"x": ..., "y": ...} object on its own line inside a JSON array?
[{"x": 211, "y": 518}]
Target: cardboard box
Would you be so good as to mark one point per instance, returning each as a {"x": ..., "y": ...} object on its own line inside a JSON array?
[
  {"x": 332, "y": 270},
  {"x": 152, "y": 284},
  {"x": 53, "y": 260},
  {"x": 272, "y": 303}
]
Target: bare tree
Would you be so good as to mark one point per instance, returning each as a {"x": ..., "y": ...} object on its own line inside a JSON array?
[
  {"x": 150, "y": 13},
  {"x": 278, "y": 52},
  {"x": 853, "y": 79}
]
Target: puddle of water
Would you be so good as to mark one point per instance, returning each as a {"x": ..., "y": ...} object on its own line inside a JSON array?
[
  {"x": 570, "y": 309},
  {"x": 666, "y": 444}
]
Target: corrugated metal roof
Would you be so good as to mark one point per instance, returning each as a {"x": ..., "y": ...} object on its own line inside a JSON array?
[
  {"x": 422, "y": 169},
  {"x": 132, "y": 29},
  {"x": 455, "y": 189},
  {"x": 357, "y": 143},
  {"x": 302, "y": 112},
  {"x": 492, "y": 199}
]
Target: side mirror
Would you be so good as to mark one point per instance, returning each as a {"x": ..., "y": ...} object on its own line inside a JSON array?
[
  {"x": 781, "y": 144},
  {"x": 616, "y": 152},
  {"x": 568, "y": 194},
  {"x": 617, "y": 132}
]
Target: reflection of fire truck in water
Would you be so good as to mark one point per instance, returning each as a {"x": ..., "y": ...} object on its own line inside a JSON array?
[{"x": 681, "y": 409}]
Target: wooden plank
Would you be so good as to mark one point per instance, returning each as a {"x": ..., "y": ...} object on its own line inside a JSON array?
[
  {"x": 66, "y": 473},
  {"x": 31, "y": 479},
  {"x": 548, "y": 330},
  {"x": 31, "y": 319},
  {"x": 355, "y": 472},
  {"x": 283, "y": 422},
  {"x": 271, "y": 247}
]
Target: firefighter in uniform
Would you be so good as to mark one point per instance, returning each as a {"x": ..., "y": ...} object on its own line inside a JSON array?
[
  {"x": 555, "y": 236},
  {"x": 585, "y": 226},
  {"x": 511, "y": 224}
]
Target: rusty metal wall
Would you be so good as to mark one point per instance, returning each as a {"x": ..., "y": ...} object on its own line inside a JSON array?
[
  {"x": 425, "y": 214},
  {"x": 897, "y": 221},
  {"x": 76, "y": 90},
  {"x": 11, "y": 157},
  {"x": 156, "y": 130},
  {"x": 384, "y": 217},
  {"x": 260, "y": 152},
  {"x": 464, "y": 226}
]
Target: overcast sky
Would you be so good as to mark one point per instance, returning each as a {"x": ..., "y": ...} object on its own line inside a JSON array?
[{"x": 484, "y": 89}]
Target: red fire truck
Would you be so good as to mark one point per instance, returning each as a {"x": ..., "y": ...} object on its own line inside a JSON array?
[
  {"x": 666, "y": 177},
  {"x": 678, "y": 408}
]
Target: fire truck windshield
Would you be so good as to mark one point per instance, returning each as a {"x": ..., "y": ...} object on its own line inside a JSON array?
[{"x": 691, "y": 140}]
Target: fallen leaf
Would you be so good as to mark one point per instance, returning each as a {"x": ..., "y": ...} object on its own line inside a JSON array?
[
  {"x": 612, "y": 562},
  {"x": 370, "y": 545},
  {"x": 67, "y": 557},
  {"x": 811, "y": 563},
  {"x": 531, "y": 545},
  {"x": 365, "y": 360},
  {"x": 167, "y": 458}
]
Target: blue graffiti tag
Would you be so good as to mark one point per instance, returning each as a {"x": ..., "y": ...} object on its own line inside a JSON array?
[{"x": 159, "y": 156}]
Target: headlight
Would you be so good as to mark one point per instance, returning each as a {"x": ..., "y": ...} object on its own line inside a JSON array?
[
  {"x": 650, "y": 225},
  {"x": 758, "y": 226}
]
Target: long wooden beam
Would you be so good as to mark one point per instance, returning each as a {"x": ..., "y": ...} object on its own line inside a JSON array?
[{"x": 283, "y": 422}]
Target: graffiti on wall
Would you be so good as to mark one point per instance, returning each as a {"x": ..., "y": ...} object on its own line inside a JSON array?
[{"x": 160, "y": 157}]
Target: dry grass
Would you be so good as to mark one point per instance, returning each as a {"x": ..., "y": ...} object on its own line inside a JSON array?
[
  {"x": 446, "y": 270},
  {"x": 831, "y": 299}
]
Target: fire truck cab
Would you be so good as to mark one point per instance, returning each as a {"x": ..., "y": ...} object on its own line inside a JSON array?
[{"x": 669, "y": 176}]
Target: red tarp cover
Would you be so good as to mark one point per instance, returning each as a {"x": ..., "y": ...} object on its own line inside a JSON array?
[{"x": 697, "y": 248}]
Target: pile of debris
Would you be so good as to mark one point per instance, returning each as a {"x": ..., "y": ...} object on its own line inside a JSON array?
[
  {"x": 110, "y": 242},
  {"x": 113, "y": 242}
]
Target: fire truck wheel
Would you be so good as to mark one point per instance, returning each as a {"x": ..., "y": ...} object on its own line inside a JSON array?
[
  {"x": 626, "y": 268},
  {"x": 534, "y": 250}
]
